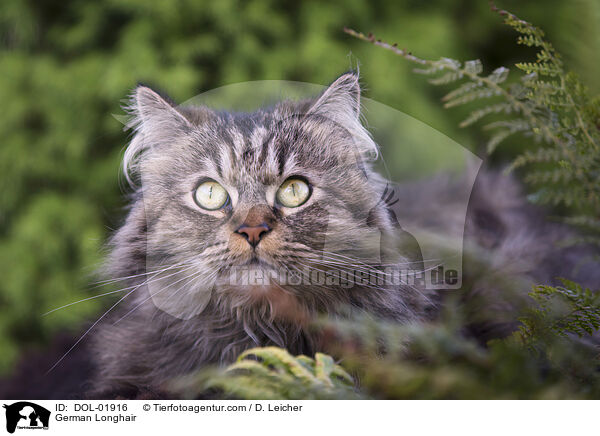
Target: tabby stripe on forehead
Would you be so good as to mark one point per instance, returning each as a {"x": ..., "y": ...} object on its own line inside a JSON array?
[
  {"x": 219, "y": 164},
  {"x": 228, "y": 154},
  {"x": 265, "y": 148},
  {"x": 248, "y": 154},
  {"x": 281, "y": 155}
]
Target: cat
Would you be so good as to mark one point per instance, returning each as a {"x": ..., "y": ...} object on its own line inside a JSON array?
[
  {"x": 282, "y": 193},
  {"x": 287, "y": 188}
]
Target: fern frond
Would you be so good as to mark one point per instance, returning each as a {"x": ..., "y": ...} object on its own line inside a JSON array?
[
  {"x": 499, "y": 75},
  {"x": 556, "y": 115},
  {"x": 539, "y": 68},
  {"x": 562, "y": 310},
  {"x": 540, "y": 155},
  {"x": 478, "y": 114},
  {"x": 273, "y": 373},
  {"x": 503, "y": 130},
  {"x": 461, "y": 90},
  {"x": 550, "y": 176},
  {"x": 469, "y": 97},
  {"x": 449, "y": 77}
]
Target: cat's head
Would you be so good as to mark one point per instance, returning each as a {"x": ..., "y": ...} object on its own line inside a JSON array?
[{"x": 227, "y": 198}]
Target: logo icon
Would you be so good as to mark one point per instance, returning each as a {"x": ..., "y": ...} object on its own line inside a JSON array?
[{"x": 26, "y": 415}]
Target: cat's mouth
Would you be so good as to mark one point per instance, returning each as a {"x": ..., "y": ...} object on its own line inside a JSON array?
[
  {"x": 258, "y": 282},
  {"x": 252, "y": 267},
  {"x": 254, "y": 261}
]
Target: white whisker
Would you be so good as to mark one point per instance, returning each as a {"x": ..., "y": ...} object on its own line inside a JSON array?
[
  {"x": 90, "y": 329},
  {"x": 149, "y": 280}
]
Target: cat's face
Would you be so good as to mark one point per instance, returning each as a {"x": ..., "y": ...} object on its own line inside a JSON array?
[{"x": 241, "y": 202}]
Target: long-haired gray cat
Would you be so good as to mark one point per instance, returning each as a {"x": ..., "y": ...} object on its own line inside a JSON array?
[{"x": 287, "y": 188}]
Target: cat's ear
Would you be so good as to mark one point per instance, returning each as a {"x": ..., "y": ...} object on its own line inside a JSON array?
[
  {"x": 152, "y": 112},
  {"x": 341, "y": 100},
  {"x": 156, "y": 121},
  {"x": 340, "y": 103}
]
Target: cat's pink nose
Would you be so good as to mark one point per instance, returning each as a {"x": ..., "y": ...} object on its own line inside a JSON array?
[{"x": 253, "y": 234}]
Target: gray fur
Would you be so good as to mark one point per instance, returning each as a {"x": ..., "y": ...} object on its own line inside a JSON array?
[{"x": 250, "y": 154}]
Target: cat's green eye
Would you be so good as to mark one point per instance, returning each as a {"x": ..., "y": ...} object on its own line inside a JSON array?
[
  {"x": 293, "y": 192},
  {"x": 210, "y": 195}
]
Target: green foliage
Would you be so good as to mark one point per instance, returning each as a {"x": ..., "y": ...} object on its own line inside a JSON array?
[
  {"x": 554, "y": 112},
  {"x": 436, "y": 361},
  {"x": 552, "y": 355},
  {"x": 429, "y": 360},
  {"x": 66, "y": 65},
  {"x": 272, "y": 373},
  {"x": 547, "y": 105},
  {"x": 561, "y": 310}
]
